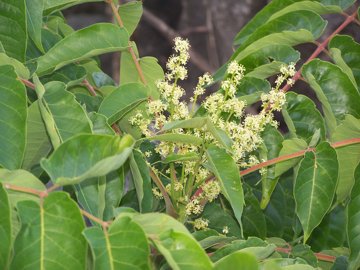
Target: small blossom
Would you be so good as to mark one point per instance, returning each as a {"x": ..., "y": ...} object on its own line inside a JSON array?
[
  {"x": 193, "y": 207},
  {"x": 157, "y": 193},
  {"x": 201, "y": 224},
  {"x": 225, "y": 230}
]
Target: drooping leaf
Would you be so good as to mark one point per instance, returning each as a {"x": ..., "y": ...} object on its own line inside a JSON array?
[
  {"x": 87, "y": 156},
  {"x": 227, "y": 173},
  {"x": 345, "y": 52},
  {"x": 253, "y": 219},
  {"x": 123, "y": 100},
  {"x": 334, "y": 89},
  {"x": 315, "y": 186},
  {"x": 182, "y": 251},
  {"x": 5, "y": 228},
  {"x": 348, "y": 156},
  {"x": 123, "y": 246},
  {"x": 240, "y": 259},
  {"x": 130, "y": 14},
  {"x": 81, "y": 45},
  {"x": 273, "y": 144},
  {"x": 196, "y": 122},
  {"x": 34, "y": 13},
  {"x": 13, "y": 116},
  {"x": 50, "y": 234},
  {"x": 38, "y": 144},
  {"x": 69, "y": 116},
  {"x": 142, "y": 181},
  {"x": 90, "y": 195},
  {"x": 20, "y": 69},
  {"x": 331, "y": 232},
  {"x": 353, "y": 225},
  {"x": 13, "y": 34},
  {"x": 302, "y": 117},
  {"x": 290, "y": 146}
]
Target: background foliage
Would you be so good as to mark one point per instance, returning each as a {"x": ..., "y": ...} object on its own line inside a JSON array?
[{"x": 76, "y": 188}]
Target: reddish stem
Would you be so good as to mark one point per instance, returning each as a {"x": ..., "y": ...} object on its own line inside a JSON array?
[
  {"x": 27, "y": 83},
  {"x": 319, "y": 256},
  {"x": 89, "y": 87},
  {"x": 322, "y": 46}
]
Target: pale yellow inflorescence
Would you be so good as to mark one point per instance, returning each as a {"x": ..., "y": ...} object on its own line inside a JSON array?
[{"x": 225, "y": 110}]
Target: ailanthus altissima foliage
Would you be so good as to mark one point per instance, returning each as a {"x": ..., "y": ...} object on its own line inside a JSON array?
[{"x": 96, "y": 174}]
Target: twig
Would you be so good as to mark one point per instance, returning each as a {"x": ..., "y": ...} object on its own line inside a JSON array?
[
  {"x": 89, "y": 87},
  {"x": 170, "y": 34},
  {"x": 322, "y": 46},
  {"x": 319, "y": 256},
  {"x": 169, "y": 206},
  {"x": 27, "y": 83},
  {"x": 131, "y": 50}
]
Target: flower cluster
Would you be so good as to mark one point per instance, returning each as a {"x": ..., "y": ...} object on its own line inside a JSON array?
[
  {"x": 201, "y": 224},
  {"x": 224, "y": 109}
]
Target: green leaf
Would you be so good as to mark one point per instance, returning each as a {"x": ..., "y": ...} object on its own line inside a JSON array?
[
  {"x": 289, "y": 147},
  {"x": 102, "y": 79},
  {"x": 353, "y": 225},
  {"x": 142, "y": 181},
  {"x": 348, "y": 156},
  {"x": 123, "y": 246},
  {"x": 51, "y": 6},
  {"x": 315, "y": 186},
  {"x": 13, "y": 34},
  {"x": 227, "y": 173},
  {"x": 244, "y": 260},
  {"x": 90, "y": 195},
  {"x": 219, "y": 218},
  {"x": 123, "y": 100},
  {"x": 34, "y": 13},
  {"x": 130, "y": 14},
  {"x": 250, "y": 89},
  {"x": 273, "y": 144},
  {"x": 100, "y": 124},
  {"x": 56, "y": 220},
  {"x": 5, "y": 228},
  {"x": 70, "y": 75},
  {"x": 180, "y": 158},
  {"x": 150, "y": 67},
  {"x": 305, "y": 19},
  {"x": 346, "y": 54},
  {"x": 304, "y": 252},
  {"x": 181, "y": 251},
  {"x": 334, "y": 89},
  {"x": 253, "y": 219},
  {"x": 219, "y": 134},
  {"x": 38, "y": 144},
  {"x": 331, "y": 233},
  {"x": 196, "y": 122},
  {"x": 20, "y": 69},
  {"x": 87, "y": 156},
  {"x": 24, "y": 179},
  {"x": 69, "y": 116},
  {"x": 12, "y": 118},
  {"x": 278, "y": 8},
  {"x": 177, "y": 138},
  {"x": 81, "y": 45},
  {"x": 302, "y": 117}
]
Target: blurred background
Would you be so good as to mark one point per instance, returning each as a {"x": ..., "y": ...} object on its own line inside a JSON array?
[{"x": 210, "y": 26}]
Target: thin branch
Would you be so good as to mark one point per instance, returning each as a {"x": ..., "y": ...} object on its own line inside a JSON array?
[
  {"x": 322, "y": 46},
  {"x": 131, "y": 50},
  {"x": 170, "y": 34},
  {"x": 89, "y": 87},
  {"x": 319, "y": 256},
  {"x": 104, "y": 224},
  {"x": 169, "y": 206},
  {"x": 27, "y": 83}
]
